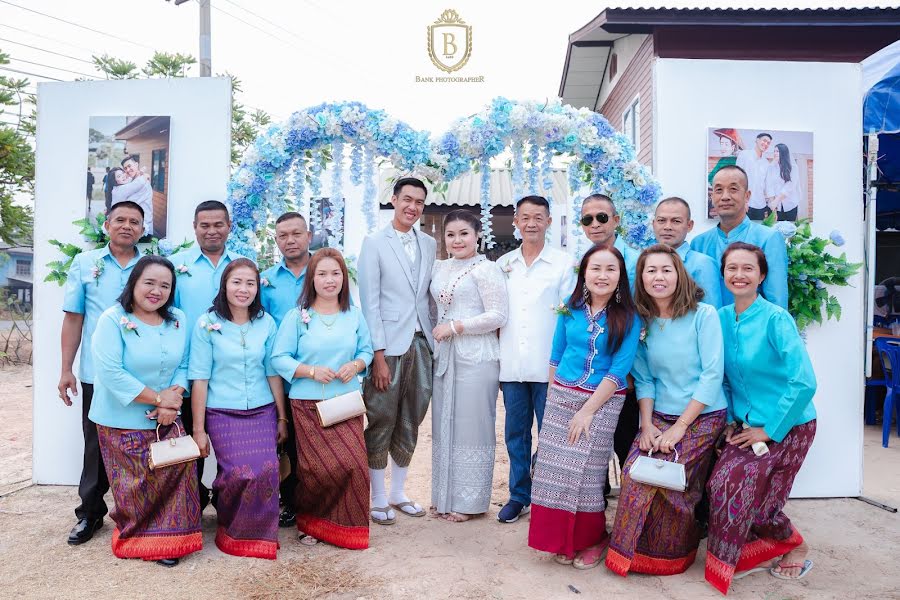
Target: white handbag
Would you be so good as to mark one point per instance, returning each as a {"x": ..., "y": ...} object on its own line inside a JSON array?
[
  {"x": 659, "y": 472},
  {"x": 173, "y": 451},
  {"x": 340, "y": 408}
]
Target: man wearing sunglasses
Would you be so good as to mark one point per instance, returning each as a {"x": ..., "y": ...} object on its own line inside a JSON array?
[{"x": 599, "y": 222}]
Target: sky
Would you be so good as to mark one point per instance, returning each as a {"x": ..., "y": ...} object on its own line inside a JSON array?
[{"x": 297, "y": 53}]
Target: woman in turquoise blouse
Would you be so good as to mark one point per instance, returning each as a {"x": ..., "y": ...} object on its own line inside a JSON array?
[
  {"x": 140, "y": 352},
  {"x": 596, "y": 338},
  {"x": 238, "y": 400},
  {"x": 678, "y": 377},
  {"x": 322, "y": 347},
  {"x": 770, "y": 384}
]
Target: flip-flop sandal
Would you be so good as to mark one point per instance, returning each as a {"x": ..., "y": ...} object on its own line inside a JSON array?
[
  {"x": 307, "y": 540},
  {"x": 583, "y": 566},
  {"x": 805, "y": 568},
  {"x": 385, "y": 510},
  {"x": 400, "y": 506},
  {"x": 742, "y": 574},
  {"x": 562, "y": 559}
]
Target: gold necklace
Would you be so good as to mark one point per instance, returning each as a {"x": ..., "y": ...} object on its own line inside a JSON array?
[
  {"x": 326, "y": 323},
  {"x": 244, "y": 333}
]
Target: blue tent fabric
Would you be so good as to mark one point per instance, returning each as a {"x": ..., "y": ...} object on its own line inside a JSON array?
[{"x": 881, "y": 107}]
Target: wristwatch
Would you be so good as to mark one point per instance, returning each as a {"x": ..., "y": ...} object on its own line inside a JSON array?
[
  {"x": 158, "y": 400},
  {"x": 312, "y": 372}
]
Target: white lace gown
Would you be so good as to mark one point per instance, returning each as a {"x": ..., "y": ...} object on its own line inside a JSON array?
[{"x": 466, "y": 383}]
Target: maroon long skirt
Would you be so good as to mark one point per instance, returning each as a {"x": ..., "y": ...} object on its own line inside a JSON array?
[
  {"x": 746, "y": 495},
  {"x": 332, "y": 496}
]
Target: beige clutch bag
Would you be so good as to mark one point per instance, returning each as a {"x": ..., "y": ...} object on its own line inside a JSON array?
[
  {"x": 340, "y": 408},
  {"x": 173, "y": 451}
]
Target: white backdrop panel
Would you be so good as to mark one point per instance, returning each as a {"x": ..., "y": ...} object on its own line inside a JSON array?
[
  {"x": 824, "y": 98},
  {"x": 199, "y": 159}
]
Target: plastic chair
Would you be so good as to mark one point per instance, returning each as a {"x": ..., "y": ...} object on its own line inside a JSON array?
[{"x": 889, "y": 353}]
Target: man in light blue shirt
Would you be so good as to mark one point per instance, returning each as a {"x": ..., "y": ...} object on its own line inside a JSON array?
[
  {"x": 599, "y": 222},
  {"x": 730, "y": 196},
  {"x": 199, "y": 273},
  {"x": 671, "y": 224},
  {"x": 94, "y": 282},
  {"x": 283, "y": 283},
  {"x": 199, "y": 268}
]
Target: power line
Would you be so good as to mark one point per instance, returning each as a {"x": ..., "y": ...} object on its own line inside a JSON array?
[
  {"x": 47, "y": 51},
  {"x": 52, "y": 67},
  {"x": 5, "y": 68},
  {"x": 47, "y": 37},
  {"x": 262, "y": 18},
  {"x": 248, "y": 24},
  {"x": 86, "y": 28}
]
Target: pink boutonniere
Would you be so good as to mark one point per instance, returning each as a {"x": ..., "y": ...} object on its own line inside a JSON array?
[
  {"x": 305, "y": 317},
  {"x": 266, "y": 283},
  {"x": 183, "y": 270},
  {"x": 97, "y": 270},
  {"x": 507, "y": 269},
  {"x": 643, "y": 335},
  {"x": 129, "y": 326},
  {"x": 210, "y": 326},
  {"x": 561, "y": 309}
]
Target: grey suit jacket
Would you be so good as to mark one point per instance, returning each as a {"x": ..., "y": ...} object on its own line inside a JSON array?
[{"x": 391, "y": 301}]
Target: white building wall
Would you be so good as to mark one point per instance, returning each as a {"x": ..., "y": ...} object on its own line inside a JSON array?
[
  {"x": 625, "y": 48},
  {"x": 199, "y": 150},
  {"x": 824, "y": 98}
]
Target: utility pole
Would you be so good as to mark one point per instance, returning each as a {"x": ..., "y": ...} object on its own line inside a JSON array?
[
  {"x": 205, "y": 40},
  {"x": 205, "y": 37}
]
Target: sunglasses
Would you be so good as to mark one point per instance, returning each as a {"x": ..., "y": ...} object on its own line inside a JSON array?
[{"x": 602, "y": 217}]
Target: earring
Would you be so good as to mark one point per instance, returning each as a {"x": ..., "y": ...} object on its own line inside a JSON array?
[
  {"x": 586, "y": 294},
  {"x": 618, "y": 296},
  {"x": 482, "y": 244}
]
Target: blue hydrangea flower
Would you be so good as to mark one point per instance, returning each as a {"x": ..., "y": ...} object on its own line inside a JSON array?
[
  {"x": 786, "y": 229},
  {"x": 837, "y": 238}
]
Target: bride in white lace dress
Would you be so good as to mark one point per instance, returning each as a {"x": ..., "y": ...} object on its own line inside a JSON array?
[{"x": 470, "y": 293}]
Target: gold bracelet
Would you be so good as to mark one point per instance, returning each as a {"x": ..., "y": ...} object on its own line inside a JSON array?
[
  {"x": 158, "y": 400},
  {"x": 282, "y": 419},
  {"x": 683, "y": 422},
  {"x": 312, "y": 372}
]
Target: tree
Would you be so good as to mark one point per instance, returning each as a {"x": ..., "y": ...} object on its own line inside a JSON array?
[
  {"x": 16, "y": 160},
  {"x": 164, "y": 64},
  {"x": 115, "y": 68},
  {"x": 245, "y": 127}
]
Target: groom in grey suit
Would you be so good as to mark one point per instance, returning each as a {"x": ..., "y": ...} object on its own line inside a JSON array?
[{"x": 394, "y": 275}]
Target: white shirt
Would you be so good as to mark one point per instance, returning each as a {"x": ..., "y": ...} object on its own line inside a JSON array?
[
  {"x": 756, "y": 167},
  {"x": 527, "y": 337},
  {"x": 791, "y": 190},
  {"x": 140, "y": 192}
]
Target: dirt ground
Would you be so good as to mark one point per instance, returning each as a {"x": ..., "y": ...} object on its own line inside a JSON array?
[{"x": 853, "y": 546}]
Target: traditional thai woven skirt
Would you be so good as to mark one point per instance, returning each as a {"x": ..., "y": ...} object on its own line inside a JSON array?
[
  {"x": 157, "y": 513},
  {"x": 246, "y": 483},
  {"x": 746, "y": 496},
  {"x": 567, "y": 500},
  {"x": 332, "y": 496},
  {"x": 655, "y": 531}
]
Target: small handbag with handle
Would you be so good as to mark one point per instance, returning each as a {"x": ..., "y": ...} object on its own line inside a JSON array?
[
  {"x": 173, "y": 451},
  {"x": 340, "y": 408},
  {"x": 659, "y": 472}
]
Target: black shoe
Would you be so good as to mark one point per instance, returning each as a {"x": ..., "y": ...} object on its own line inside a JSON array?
[
  {"x": 84, "y": 530},
  {"x": 287, "y": 518},
  {"x": 167, "y": 562},
  {"x": 512, "y": 511}
]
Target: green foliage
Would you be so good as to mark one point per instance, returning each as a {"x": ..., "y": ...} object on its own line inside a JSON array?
[
  {"x": 115, "y": 68},
  {"x": 811, "y": 270},
  {"x": 245, "y": 126},
  {"x": 165, "y": 64},
  {"x": 16, "y": 160}
]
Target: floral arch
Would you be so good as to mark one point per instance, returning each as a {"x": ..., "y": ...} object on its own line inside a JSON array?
[{"x": 288, "y": 162}]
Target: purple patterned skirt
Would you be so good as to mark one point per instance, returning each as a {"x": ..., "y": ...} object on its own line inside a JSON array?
[
  {"x": 655, "y": 531},
  {"x": 157, "y": 513},
  {"x": 247, "y": 480}
]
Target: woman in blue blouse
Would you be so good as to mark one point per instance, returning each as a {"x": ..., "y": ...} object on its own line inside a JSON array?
[
  {"x": 678, "y": 377},
  {"x": 238, "y": 399},
  {"x": 594, "y": 345},
  {"x": 321, "y": 348},
  {"x": 770, "y": 384},
  {"x": 140, "y": 352}
]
